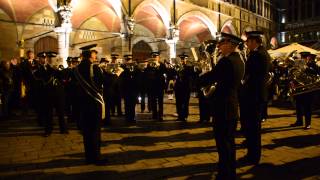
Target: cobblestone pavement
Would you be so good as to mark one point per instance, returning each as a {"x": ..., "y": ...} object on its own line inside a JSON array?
[{"x": 157, "y": 150}]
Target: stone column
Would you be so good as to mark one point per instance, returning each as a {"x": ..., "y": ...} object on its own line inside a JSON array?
[
  {"x": 63, "y": 32},
  {"x": 127, "y": 30},
  {"x": 63, "y": 42},
  {"x": 172, "y": 40}
]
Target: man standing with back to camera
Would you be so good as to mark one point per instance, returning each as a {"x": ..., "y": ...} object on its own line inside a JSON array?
[
  {"x": 227, "y": 74},
  {"x": 90, "y": 80}
]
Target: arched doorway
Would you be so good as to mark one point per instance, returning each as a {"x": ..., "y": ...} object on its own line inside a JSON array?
[
  {"x": 46, "y": 44},
  {"x": 141, "y": 51},
  {"x": 195, "y": 27}
]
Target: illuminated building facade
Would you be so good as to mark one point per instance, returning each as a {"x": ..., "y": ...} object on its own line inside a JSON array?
[{"x": 126, "y": 26}]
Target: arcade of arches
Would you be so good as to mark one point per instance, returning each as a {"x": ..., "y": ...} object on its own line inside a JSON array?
[{"x": 31, "y": 25}]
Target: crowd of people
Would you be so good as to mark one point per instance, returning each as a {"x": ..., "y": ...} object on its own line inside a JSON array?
[{"x": 90, "y": 92}]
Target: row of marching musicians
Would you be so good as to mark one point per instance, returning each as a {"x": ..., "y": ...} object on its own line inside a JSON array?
[
  {"x": 59, "y": 87},
  {"x": 146, "y": 80}
]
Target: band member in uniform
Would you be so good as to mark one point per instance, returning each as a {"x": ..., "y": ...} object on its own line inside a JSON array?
[
  {"x": 39, "y": 77},
  {"x": 170, "y": 77},
  {"x": 254, "y": 94},
  {"x": 90, "y": 80},
  {"x": 156, "y": 85},
  {"x": 75, "y": 103},
  {"x": 67, "y": 76},
  {"x": 142, "y": 84},
  {"x": 116, "y": 99},
  {"x": 182, "y": 88},
  {"x": 52, "y": 92},
  {"x": 108, "y": 89},
  {"x": 304, "y": 101},
  {"x": 227, "y": 75},
  {"x": 28, "y": 67},
  {"x": 129, "y": 88},
  {"x": 204, "y": 102}
]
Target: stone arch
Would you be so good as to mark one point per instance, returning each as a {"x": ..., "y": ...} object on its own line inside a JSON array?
[
  {"x": 104, "y": 9},
  {"x": 46, "y": 19},
  {"x": 201, "y": 16},
  {"x": 141, "y": 50},
  {"x": 88, "y": 35},
  {"x": 34, "y": 19},
  {"x": 116, "y": 5},
  {"x": 153, "y": 46},
  {"x": 228, "y": 26},
  {"x": 158, "y": 7}
]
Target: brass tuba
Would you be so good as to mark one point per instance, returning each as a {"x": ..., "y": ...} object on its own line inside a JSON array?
[
  {"x": 211, "y": 52},
  {"x": 302, "y": 82}
]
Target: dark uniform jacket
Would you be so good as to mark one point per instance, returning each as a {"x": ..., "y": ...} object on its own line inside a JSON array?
[
  {"x": 228, "y": 74},
  {"x": 67, "y": 75},
  {"x": 96, "y": 82},
  {"x": 50, "y": 83},
  {"x": 128, "y": 82},
  {"x": 184, "y": 79},
  {"x": 155, "y": 79},
  {"x": 257, "y": 68},
  {"x": 27, "y": 70},
  {"x": 111, "y": 85}
]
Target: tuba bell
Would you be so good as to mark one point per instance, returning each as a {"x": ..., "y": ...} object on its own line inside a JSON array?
[{"x": 209, "y": 90}]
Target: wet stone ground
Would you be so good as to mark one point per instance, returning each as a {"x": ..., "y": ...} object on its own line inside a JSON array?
[{"x": 157, "y": 150}]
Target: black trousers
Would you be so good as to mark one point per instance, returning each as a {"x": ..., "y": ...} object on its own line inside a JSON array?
[
  {"x": 204, "y": 108},
  {"x": 224, "y": 132},
  {"x": 130, "y": 105},
  {"x": 264, "y": 110},
  {"x": 56, "y": 100},
  {"x": 182, "y": 103},
  {"x": 91, "y": 121},
  {"x": 304, "y": 108},
  {"x": 157, "y": 105},
  {"x": 68, "y": 105},
  {"x": 108, "y": 105},
  {"x": 251, "y": 116},
  {"x": 116, "y": 105},
  {"x": 143, "y": 101}
]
